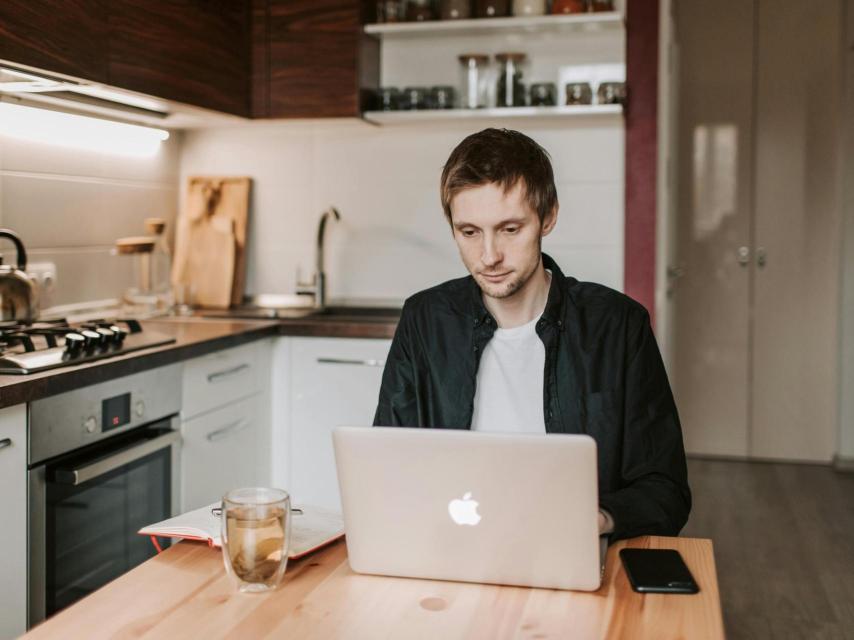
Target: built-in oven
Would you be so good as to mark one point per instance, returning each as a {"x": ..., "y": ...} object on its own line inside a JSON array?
[{"x": 103, "y": 463}]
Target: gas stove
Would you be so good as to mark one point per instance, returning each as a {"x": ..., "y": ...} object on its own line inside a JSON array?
[{"x": 48, "y": 344}]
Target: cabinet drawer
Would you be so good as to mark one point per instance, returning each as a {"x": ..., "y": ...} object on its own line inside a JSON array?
[
  {"x": 220, "y": 378},
  {"x": 219, "y": 452}
]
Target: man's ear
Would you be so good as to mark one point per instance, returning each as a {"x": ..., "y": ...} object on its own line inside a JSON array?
[{"x": 549, "y": 222}]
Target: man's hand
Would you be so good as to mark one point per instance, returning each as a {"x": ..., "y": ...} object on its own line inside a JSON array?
[{"x": 606, "y": 523}]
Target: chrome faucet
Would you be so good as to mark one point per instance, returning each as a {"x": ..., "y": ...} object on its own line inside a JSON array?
[{"x": 317, "y": 286}]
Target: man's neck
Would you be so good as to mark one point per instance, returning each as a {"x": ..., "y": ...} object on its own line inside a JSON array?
[{"x": 524, "y": 305}]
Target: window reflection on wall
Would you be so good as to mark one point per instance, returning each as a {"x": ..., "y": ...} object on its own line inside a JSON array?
[{"x": 715, "y": 164}]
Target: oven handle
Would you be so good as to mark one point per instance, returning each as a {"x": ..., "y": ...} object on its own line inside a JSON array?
[{"x": 126, "y": 456}]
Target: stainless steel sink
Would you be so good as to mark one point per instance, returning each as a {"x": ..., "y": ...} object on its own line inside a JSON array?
[{"x": 335, "y": 312}]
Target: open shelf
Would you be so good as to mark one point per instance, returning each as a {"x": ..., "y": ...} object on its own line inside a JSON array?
[
  {"x": 533, "y": 113},
  {"x": 529, "y": 25}
]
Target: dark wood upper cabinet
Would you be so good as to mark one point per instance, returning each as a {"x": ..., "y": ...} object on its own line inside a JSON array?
[
  {"x": 63, "y": 36},
  {"x": 252, "y": 58},
  {"x": 314, "y": 60},
  {"x": 193, "y": 51}
]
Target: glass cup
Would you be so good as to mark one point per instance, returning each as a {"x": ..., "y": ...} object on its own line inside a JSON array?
[{"x": 256, "y": 528}]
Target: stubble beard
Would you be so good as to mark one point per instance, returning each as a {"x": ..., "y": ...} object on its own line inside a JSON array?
[{"x": 504, "y": 291}]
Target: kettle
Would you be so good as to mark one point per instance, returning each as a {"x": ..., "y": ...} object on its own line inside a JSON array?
[{"x": 18, "y": 299}]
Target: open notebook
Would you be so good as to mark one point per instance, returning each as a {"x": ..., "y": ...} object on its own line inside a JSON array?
[{"x": 311, "y": 528}]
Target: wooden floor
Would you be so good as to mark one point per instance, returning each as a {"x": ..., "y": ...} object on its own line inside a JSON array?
[{"x": 784, "y": 546}]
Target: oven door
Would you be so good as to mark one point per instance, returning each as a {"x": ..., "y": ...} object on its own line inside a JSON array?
[{"x": 86, "y": 508}]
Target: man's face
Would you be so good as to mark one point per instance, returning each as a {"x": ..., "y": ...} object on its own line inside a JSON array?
[{"x": 499, "y": 237}]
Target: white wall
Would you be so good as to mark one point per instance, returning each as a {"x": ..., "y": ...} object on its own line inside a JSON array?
[
  {"x": 393, "y": 239},
  {"x": 69, "y": 206}
]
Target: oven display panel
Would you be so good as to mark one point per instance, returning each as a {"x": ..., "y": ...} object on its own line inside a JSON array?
[{"x": 115, "y": 412}]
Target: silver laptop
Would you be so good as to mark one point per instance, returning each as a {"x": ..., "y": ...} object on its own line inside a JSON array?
[{"x": 476, "y": 507}]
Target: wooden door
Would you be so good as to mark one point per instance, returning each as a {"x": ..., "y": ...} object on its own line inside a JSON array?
[
  {"x": 798, "y": 124},
  {"x": 710, "y": 319}
]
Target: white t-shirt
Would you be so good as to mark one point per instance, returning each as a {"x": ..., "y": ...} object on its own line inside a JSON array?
[{"x": 509, "y": 393}]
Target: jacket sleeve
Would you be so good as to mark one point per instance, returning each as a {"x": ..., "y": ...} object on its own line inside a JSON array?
[
  {"x": 654, "y": 498},
  {"x": 398, "y": 404}
]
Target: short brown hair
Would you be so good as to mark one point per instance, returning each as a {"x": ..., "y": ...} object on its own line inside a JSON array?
[{"x": 503, "y": 157}]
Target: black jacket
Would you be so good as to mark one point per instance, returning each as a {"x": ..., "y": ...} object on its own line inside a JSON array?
[{"x": 603, "y": 376}]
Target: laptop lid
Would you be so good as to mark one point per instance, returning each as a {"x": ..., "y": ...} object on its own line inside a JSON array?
[{"x": 476, "y": 507}]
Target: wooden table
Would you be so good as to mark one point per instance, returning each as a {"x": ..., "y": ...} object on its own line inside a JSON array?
[{"x": 184, "y": 593}]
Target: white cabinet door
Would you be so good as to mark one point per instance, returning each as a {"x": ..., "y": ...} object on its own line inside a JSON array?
[
  {"x": 219, "y": 378},
  {"x": 219, "y": 453},
  {"x": 334, "y": 382},
  {"x": 13, "y": 521}
]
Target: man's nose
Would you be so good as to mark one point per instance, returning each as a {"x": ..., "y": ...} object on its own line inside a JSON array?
[{"x": 492, "y": 254}]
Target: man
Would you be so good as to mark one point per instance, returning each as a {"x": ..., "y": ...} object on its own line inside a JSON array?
[{"x": 520, "y": 347}]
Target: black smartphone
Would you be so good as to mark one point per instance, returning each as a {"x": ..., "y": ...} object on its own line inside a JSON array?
[{"x": 657, "y": 571}]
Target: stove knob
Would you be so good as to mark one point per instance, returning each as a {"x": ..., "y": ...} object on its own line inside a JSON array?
[
  {"x": 92, "y": 338},
  {"x": 90, "y": 424},
  {"x": 118, "y": 334},
  {"x": 74, "y": 342},
  {"x": 106, "y": 336},
  {"x": 139, "y": 408}
]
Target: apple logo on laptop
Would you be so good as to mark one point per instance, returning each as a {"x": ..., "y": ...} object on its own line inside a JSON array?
[{"x": 464, "y": 511}]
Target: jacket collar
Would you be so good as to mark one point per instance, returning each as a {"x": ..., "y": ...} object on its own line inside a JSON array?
[{"x": 554, "y": 311}]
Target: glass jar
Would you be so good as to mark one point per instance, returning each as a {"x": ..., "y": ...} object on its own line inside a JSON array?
[
  {"x": 509, "y": 91},
  {"x": 414, "y": 98},
  {"x": 419, "y": 10},
  {"x": 390, "y": 11},
  {"x": 388, "y": 99},
  {"x": 543, "y": 94},
  {"x": 492, "y": 8},
  {"x": 611, "y": 93},
  {"x": 601, "y": 5},
  {"x": 473, "y": 86},
  {"x": 578, "y": 93},
  {"x": 529, "y": 7},
  {"x": 455, "y": 9},
  {"x": 442, "y": 97},
  {"x": 569, "y": 6}
]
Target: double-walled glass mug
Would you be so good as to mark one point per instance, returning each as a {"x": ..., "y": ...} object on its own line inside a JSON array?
[{"x": 256, "y": 527}]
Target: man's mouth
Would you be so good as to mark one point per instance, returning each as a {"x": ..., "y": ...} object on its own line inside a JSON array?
[{"x": 494, "y": 277}]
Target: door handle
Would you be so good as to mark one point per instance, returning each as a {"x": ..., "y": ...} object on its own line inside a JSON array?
[
  {"x": 227, "y": 430},
  {"x": 227, "y": 373},
  {"x": 744, "y": 256},
  {"x": 98, "y": 468},
  {"x": 674, "y": 273},
  {"x": 761, "y": 257},
  {"x": 5, "y": 442},
  {"x": 369, "y": 362}
]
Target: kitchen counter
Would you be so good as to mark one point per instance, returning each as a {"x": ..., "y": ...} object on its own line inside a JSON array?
[
  {"x": 184, "y": 592},
  {"x": 194, "y": 337}
]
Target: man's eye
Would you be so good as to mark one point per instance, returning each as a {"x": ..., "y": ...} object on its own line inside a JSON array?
[
  {"x": 468, "y": 233},
  {"x": 511, "y": 229}
]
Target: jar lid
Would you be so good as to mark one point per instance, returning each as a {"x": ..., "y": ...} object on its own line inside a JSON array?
[
  {"x": 513, "y": 56},
  {"x": 481, "y": 58}
]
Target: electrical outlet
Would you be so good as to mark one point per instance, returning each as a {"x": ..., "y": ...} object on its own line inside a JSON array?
[{"x": 44, "y": 273}]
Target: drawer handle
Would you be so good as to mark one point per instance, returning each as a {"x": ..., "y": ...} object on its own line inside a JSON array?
[
  {"x": 227, "y": 373},
  {"x": 5, "y": 442},
  {"x": 224, "y": 432},
  {"x": 370, "y": 362}
]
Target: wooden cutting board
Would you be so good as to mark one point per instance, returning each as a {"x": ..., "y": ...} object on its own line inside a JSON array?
[{"x": 210, "y": 242}]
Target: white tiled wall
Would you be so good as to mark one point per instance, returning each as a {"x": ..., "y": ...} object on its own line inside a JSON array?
[
  {"x": 69, "y": 207},
  {"x": 393, "y": 239}
]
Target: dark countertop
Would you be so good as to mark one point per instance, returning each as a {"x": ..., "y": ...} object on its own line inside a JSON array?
[{"x": 194, "y": 337}]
